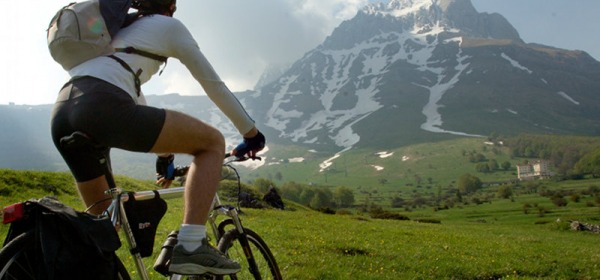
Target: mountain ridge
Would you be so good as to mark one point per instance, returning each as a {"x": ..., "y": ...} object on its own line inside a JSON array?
[
  {"x": 401, "y": 73},
  {"x": 411, "y": 50}
]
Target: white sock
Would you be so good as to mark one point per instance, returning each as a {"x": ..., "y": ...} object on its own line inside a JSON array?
[{"x": 190, "y": 236}]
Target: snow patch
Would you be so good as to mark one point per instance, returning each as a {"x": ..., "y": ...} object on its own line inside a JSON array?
[
  {"x": 385, "y": 154},
  {"x": 433, "y": 120},
  {"x": 328, "y": 162},
  {"x": 567, "y": 97},
  {"x": 377, "y": 167},
  {"x": 515, "y": 64},
  {"x": 296, "y": 159}
]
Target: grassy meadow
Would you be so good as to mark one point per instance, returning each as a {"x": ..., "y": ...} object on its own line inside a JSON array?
[{"x": 497, "y": 239}]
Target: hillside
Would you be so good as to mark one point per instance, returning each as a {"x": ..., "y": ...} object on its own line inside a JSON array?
[
  {"x": 493, "y": 240},
  {"x": 399, "y": 77},
  {"x": 428, "y": 165},
  {"x": 408, "y": 72}
]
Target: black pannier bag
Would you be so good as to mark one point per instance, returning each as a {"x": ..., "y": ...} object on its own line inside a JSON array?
[
  {"x": 143, "y": 217},
  {"x": 75, "y": 245}
]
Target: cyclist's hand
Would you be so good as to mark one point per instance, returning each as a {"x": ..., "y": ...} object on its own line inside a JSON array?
[
  {"x": 165, "y": 170},
  {"x": 164, "y": 183},
  {"x": 250, "y": 146}
]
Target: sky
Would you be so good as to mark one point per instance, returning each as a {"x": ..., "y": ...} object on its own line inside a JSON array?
[{"x": 241, "y": 38}]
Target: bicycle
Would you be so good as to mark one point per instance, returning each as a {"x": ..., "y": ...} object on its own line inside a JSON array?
[{"x": 18, "y": 256}]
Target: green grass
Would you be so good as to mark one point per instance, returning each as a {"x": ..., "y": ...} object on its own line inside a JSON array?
[
  {"x": 494, "y": 240},
  {"x": 443, "y": 162}
]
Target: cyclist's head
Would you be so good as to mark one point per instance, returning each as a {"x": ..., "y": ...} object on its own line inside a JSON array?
[{"x": 147, "y": 7}]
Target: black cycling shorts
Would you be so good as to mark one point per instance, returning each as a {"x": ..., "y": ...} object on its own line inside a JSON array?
[{"x": 107, "y": 115}]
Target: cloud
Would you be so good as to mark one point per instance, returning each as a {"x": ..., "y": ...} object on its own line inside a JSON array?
[{"x": 242, "y": 38}]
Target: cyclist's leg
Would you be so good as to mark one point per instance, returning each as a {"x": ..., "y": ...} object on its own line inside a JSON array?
[
  {"x": 184, "y": 134},
  {"x": 110, "y": 117},
  {"x": 82, "y": 161},
  {"x": 93, "y": 192}
]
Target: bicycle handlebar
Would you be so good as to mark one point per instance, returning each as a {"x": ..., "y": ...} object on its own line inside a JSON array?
[
  {"x": 181, "y": 171},
  {"x": 240, "y": 159}
]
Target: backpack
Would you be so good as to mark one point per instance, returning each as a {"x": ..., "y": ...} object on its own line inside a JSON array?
[{"x": 83, "y": 30}]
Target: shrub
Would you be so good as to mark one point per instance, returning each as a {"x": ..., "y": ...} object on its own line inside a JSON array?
[
  {"x": 575, "y": 197},
  {"x": 429, "y": 221},
  {"x": 326, "y": 210},
  {"x": 378, "y": 213},
  {"x": 344, "y": 212},
  {"x": 559, "y": 201},
  {"x": 526, "y": 208}
]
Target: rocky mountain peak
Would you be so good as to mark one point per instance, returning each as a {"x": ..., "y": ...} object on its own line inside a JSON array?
[
  {"x": 453, "y": 15},
  {"x": 407, "y": 70}
]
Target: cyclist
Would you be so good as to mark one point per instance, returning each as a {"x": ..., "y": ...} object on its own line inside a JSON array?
[{"x": 102, "y": 101}]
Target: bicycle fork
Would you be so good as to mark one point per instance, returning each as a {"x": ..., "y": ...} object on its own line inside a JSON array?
[{"x": 218, "y": 231}]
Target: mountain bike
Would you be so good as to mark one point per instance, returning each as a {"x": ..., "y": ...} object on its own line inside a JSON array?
[{"x": 20, "y": 256}]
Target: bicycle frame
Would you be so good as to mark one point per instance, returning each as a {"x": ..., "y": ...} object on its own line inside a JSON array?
[
  {"x": 227, "y": 231},
  {"x": 116, "y": 211}
]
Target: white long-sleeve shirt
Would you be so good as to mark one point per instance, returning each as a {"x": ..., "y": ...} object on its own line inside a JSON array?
[{"x": 164, "y": 36}]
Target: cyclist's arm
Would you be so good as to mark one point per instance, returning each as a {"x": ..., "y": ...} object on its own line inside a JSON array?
[{"x": 187, "y": 51}]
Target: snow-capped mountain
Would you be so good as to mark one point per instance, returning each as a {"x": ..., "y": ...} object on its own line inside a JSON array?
[
  {"x": 412, "y": 69},
  {"x": 409, "y": 71}
]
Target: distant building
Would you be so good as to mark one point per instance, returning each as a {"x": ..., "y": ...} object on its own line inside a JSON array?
[{"x": 535, "y": 170}]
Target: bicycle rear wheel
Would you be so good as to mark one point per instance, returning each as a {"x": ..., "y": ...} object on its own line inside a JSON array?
[
  {"x": 232, "y": 244},
  {"x": 22, "y": 259}
]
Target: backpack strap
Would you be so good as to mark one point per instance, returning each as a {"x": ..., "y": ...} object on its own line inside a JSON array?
[
  {"x": 133, "y": 50},
  {"x": 150, "y": 55},
  {"x": 136, "y": 75}
]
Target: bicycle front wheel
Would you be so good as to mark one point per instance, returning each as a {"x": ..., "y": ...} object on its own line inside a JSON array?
[
  {"x": 22, "y": 259},
  {"x": 260, "y": 264}
]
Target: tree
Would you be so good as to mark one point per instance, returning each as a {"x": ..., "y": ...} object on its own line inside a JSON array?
[
  {"x": 321, "y": 198},
  {"x": 477, "y": 158},
  {"x": 505, "y": 192},
  {"x": 559, "y": 200},
  {"x": 468, "y": 183},
  {"x": 263, "y": 185},
  {"x": 343, "y": 196},
  {"x": 291, "y": 191},
  {"x": 306, "y": 196},
  {"x": 397, "y": 202},
  {"x": 482, "y": 167},
  {"x": 589, "y": 164},
  {"x": 493, "y": 165},
  {"x": 505, "y": 165}
]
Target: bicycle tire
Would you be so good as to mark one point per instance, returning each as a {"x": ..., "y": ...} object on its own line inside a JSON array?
[
  {"x": 21, "y": 259},
  {"x": 231, "y": 244}
]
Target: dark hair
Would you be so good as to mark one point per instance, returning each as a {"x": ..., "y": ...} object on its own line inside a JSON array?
[{"x": 147, "y": 7}]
